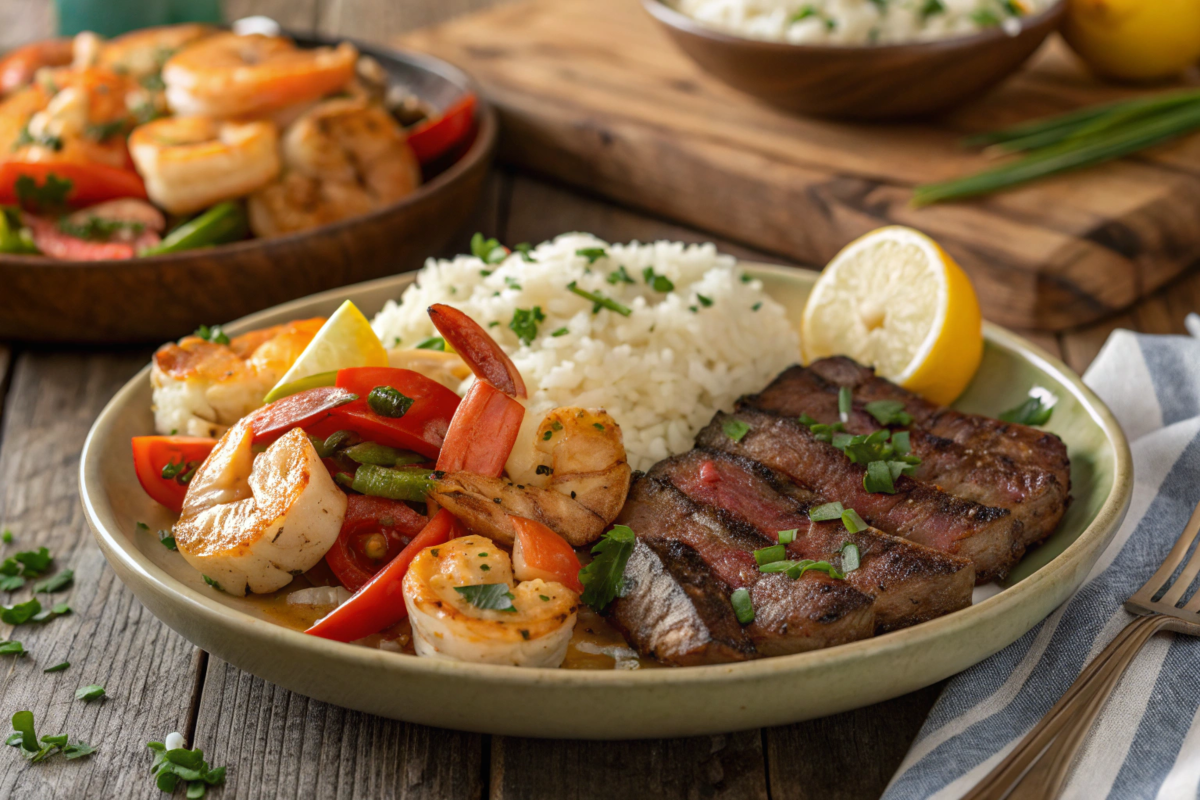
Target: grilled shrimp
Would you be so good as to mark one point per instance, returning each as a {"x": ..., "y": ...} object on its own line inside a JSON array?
[
  {"x": 533, "y": 632},
  {"x": 342, "y": 158},
  {"x": 576, "y": 489},
  {"x": 252, "y": 522},
  {"x": 203, "y": 387},
  {"x": 142, "y": 53},
  {"x": 190, "y": 163},
  {"x": 18, "y": 67},
  {"x": 228, "y": 75}
]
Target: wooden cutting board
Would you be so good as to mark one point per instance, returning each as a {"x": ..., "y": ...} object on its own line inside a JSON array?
[{"x": 592, "y": 93}]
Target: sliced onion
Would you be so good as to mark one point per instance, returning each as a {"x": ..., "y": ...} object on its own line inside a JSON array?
[{"x": 319, "y": 596}]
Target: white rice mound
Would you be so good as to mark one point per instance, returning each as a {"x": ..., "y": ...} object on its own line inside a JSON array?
[{"x": 662, "y": 372}]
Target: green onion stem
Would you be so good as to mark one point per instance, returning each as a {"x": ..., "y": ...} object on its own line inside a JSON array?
[{"x": 394, "y": 484}]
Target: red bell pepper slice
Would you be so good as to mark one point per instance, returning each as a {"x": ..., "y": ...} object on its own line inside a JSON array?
[
  {"x": 436, "y": 136},
  {"x": 539, "y": 552},
  {"x": 478, "y": 349},
  {"x": 90, "y": 182},
  {"x": 366, "y": 517},
  {"x": 301, "y": 410},
  {"x": 482, "y": 433},
  {"x": 422, "y": 428},
  {"x": 185, "y": 453},
  {"x": 380, "y": 604}
]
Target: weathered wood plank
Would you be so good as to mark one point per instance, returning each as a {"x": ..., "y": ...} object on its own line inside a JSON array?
[
  {"x": 110, "y": 638},
  {"x": 24, "y": 21},
  {"x": 278, "y": 744},
  {"x": 849, "y": 756},
  {"x": 377, "y": 20},
  {"x": 725, "y": 766}
]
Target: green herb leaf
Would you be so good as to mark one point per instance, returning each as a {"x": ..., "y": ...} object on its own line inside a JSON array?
[
  {"x": 98, "y": 229},
  {"x": 20, "y": 613},
  {"x": 592, "y": 254},
  {"x": 888, "y": 412},
  {"x": 57, "y": 583},
  {"x": 852, "y": 521},
  {"x": 7, "y": 536},
  {"x": 604, "y": 578},
  {"x": 58, "y": 610},
  {"x": 878, "y": 478},
  {"x": 90, "y": 692},
  {"x": 526, "y": 251},
  {"x": 560, "y": 332},
  {"x": 432, "y": 343},
  {"x": 389, "y": 402},
  {"x": 525, "y": 323},
  {"x": 850, "y": 557},
  {"x": 58, "y": 667},
  {"x": 212, "y": 334},
  {"x": 787, "y": 537},
  {"x": 743, "y": 607},
  {"x": 619, "y": 275},
  {"x": 211, "y": 582},
  {"x": 11, "y": 583},
  {"x": 845, "y": 404},
  {"x": 22, "y": 723},
  {"x": 490, "y": 596},
  {"x": 77, "y": 750},
  {"x": 735, "y": 429},
  {"x": 12, "y": 648},
  {"x": 489, "y": 251},
  {"x": 599, "y": 301},
  {"x": 931, "y": 8},
  {"x": 1032, "y": 412},
  {"x": 167, "y": 540},
  {"x": 659, "y": 283},
  {"x": 35, "y": 561},
  {"x": 767, "y": 555},
  {"x": 826, "y": 512}
]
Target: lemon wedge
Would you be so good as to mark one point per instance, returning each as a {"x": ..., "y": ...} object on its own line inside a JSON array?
[
  {"x": 345, "y": 340},
  {"x": 895, "y": 301}
]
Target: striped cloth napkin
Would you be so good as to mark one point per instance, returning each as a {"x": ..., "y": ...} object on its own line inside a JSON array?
[{"x": 1147, "y": 742}]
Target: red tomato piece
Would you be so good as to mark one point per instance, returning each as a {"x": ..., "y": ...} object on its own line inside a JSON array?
[
  {"x": 478, "y": 349},
  {"x": 436, "y": 136},
  {"x": 482, "y": 433},
  {"x": 380, "y": 603},
  {"x": 539, "y": 552},
  {"x": 152, "y": 453},
  {"x": 423, "y": 427},
  {"x": 301, "y": 410},
  {"x": 393, "y": 522},
  {"x": 90, "y": 182}
]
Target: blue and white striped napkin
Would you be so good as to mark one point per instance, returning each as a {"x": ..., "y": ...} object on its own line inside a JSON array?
[{"x": 1147, "y": 742}]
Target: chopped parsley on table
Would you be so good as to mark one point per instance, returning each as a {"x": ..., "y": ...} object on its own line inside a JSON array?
[
  {"x": 88, "y": 693},
  {"x": 175, "y": 765},
  {"x": 57, "y": 582},
  {"x": 24, "y": 737},
  {"x": 12, "y": 648}
]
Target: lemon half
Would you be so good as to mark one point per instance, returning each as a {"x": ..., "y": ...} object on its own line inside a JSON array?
[
  {"x": 895, "y": 301},
  {"x": 345, "y": 340}
]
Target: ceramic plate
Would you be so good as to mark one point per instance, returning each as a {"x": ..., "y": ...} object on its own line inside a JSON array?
[{"x": 610, "y": 704}]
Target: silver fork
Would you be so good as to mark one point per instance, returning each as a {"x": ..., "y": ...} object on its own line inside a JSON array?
[{"x": 1038, "y": 766}]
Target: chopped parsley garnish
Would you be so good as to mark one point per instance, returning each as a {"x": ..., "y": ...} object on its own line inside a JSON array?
[
  {"x": 788, "y": 536},
  {"x": 592, "y": 254},
  {"x": 794, "y": 569},
  {"x": 211, "y": 582},
  {"x": 745, "y": 278},
  {"x": 525, "y": 323},
  {"x": 88, "y": 693},
  {"x": 432, "y": 343},
  {"x": 985, "y": 18},
  {"x": 604, "y": 578},
  {"x": 619, "y": 275},
  {"x": 560, "y": 332},
  {"x": 97, "y": 228},
  {"x": 659, "y": 283},
  {"x": 931, "y": 8},
  {"x": 102, "y": 131},
  {"x": 180, "y": 764},
  {"x": 56, "y": 583},
  {"x": 511, "y": 283},
  {"x": 489, "y": 596},
  {"x": 526, "y": 251},
  {"x": 12, "y": 648},
  {"x": 845, "y": 404},
  {"x": 756, "y": 306},
  {"x": 180, "y": 471},
  {"x": 153, "y": 82},
  {"x": 389, "y": 402},
  {"x": 7, "y": 536},
  {"x": 1034, "y": 411},
  {"x": 769, "y": 555},
  {"x": 167, "y": 540},
  {"x": 58, "y": 667},
  {"x": 599, "y": 301},
  {"x": 888, "y": 412},
  {"x": 743, "y": 607},
  {"x": 47, "y": 140},
  {"x": 826, "y": 512},
  {"x": 735, "y": 429},
  {"x": 25, "y": 738},
  {"x": 489, "y": 251},
  {"x": 213, "y": 334},
  {"x": 852, "y": 521},
  {"x": 704, "y": 301},
  {"x": 20, "y": 613},
  {"x": 850, "y": 557}
]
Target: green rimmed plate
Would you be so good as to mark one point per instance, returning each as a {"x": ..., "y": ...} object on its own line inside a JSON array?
[{"x": 619, "y": 704}]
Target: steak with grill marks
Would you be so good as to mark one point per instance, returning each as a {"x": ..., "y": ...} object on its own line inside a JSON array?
[
  {"x": 1034, "y": 488},
  {"x": 990, "y": 537},
  {"x": 791, "y": 615},
  {"x": 911, "y": 583}
]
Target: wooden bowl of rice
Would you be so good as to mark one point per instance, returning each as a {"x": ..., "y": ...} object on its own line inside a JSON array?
[{"x": 867, "y": 82}]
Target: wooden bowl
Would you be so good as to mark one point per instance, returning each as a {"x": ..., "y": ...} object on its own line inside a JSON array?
[
  {"x": 164, "y": 297},
  {"x": 862, "y": 83}
]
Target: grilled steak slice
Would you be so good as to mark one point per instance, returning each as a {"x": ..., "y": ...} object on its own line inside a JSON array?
[
  {"x": 675, "y": 610},
  {"x": 990, "y": 537},
  {"x": 791, "y": 616},
  {"x": 911, "y": 583},
  {"x": 1034, "y": 489}
]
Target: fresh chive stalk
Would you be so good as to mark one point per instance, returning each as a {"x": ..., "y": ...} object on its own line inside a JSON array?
[{"x": 394, "y": 484}]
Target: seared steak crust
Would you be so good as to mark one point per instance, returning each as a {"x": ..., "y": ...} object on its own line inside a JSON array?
[
  {"x": 791, "y": 616},
  {"x": 1028, "y": 475},
  {"x": 910, "y": 583},
  {"x": 990, "y": 537}
]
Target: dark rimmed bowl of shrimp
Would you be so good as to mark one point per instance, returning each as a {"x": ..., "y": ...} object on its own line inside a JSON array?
[{"x": 318, "y": 182}]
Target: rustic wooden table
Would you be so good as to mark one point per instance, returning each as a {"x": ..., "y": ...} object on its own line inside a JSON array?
[{"x": 278, "y": 744}]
